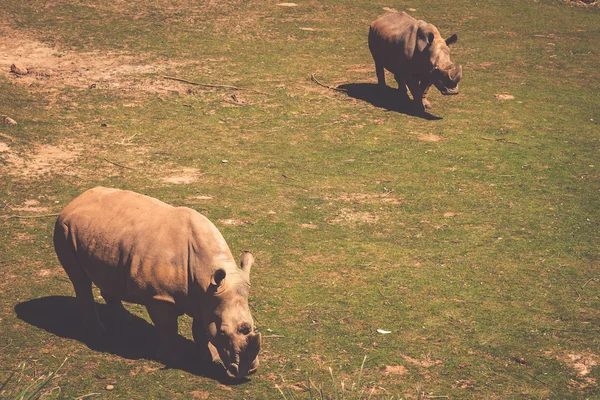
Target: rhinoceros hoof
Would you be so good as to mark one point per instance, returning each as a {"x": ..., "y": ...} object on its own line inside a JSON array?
[{"x": 426, "y": 104}]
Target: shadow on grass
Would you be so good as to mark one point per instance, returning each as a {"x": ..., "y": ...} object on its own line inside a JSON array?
[
  {"x": 387, "y": 98},
  {"x": 137, "y": 339}
]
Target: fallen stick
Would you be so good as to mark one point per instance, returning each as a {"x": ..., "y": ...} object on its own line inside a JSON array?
[
  {"x": 117, "y": 164},
  {"x": 30, "y": 216},
  {"x": 315, "y": 80},
  {"x": 590, "y": 280},
  {"x": 229, "y": 87},
  {"x": 499, "y": 140}
]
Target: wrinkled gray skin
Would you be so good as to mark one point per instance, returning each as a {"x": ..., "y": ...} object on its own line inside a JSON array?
[
  {"x": 416, "y": 54},
  {"x": 172, "y": 260}
]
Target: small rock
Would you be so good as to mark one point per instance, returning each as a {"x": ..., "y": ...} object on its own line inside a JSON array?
[
  {"x": 110, "y": 387},
  {"x": 9, "y": 120},
  {"x": 18, "y": 69},
  {"x": 224, "y": 161}
]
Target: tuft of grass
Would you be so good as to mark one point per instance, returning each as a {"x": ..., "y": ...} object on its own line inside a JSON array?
[
  {"x": 18, "y": 387},
  {"x": 339, "y": 390}
]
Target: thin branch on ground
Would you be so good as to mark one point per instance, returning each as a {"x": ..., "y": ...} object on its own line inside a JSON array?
[
  {"x": 117, "y": 164},
  {"x": 385, "y": 300},
  {"x": 209, "y": 85},
  {"x": 127, "y": 141},
  {"x": 539, "y": 380},
  {"x": 589, "y": 280},
  {"x": 499, "y": 140},
  {"x": 29, "y": 216},
  {"x": 315, "y": 80}
]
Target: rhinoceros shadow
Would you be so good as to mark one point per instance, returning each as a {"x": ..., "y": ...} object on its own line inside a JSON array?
[
  {"x": 384, "y": 97},
  {"x": 138, "y": 339}
]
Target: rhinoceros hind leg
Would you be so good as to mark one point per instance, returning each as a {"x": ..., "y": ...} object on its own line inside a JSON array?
[
  {"x": 207, "y": 351},
  {"x": 83, "y": 293},
  {"x": 119, "y": 313},
  {"x": 380, "y": 74},
  {"x": 164, "y": 316}
]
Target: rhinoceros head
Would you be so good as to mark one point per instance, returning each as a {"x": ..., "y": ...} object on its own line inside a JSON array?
[
  {"x": 444, "y": 74},
  {"x": 229, "y": 325}
]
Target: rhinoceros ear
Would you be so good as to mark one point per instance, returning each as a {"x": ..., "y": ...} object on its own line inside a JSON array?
[
  {"x": 246, "y": 261},
  {"x": 424, "y": 38},
  {"x": 218, "y": 277},
  {"x": 452, "y": 39}
]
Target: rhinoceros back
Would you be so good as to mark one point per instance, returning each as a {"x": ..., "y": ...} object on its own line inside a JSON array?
[{"x": 135, "y": 247}]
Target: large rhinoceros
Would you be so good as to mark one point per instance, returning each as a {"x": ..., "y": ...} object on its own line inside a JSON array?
[
  {"x": 416, "y": 54},
  {"x": 172, "y": 260}
]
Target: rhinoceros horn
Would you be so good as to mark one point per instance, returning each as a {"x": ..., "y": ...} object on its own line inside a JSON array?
[{"x": 456, "y": 74}]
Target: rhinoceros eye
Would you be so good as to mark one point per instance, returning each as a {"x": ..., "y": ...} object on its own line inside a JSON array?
[{"x": 245, "y": 329}]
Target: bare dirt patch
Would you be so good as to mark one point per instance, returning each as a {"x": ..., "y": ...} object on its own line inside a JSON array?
[
  {"x": 350, "y": 217},
  {"x": 31, "y": 206},
  {"x": 54, "y": 67},
  {"x": 231, "y": 221},
  {"x": 25, "y": 237},
  {"x": 44, "y": 159},
  {"x": 183, "y": 176},
  {"x": 200, "y": 394},
  {"x": 426, "y": 362},
  {"x": 429, "y": 137},
  {"x": 46, "y": 272},
  {"x": 368, "y": 198},
  {"x": 581, "y": 362},
  {"x": 394, "y": 370}
]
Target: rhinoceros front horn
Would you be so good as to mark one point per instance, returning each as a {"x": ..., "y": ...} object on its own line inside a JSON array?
[{"x": 456, "y": 75}]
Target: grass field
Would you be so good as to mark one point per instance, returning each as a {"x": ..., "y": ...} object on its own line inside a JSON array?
[{"x": 472, "y": 235}]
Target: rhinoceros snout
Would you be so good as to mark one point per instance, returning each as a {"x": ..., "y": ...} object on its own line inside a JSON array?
[
  {"x": 234, "y": 370},
  {"x": 450, "y": 91}
]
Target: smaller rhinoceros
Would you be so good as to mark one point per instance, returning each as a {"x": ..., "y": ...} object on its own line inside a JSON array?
[
  {"x": 172, "y": 260},
  {"x": 416, "y": 54}
]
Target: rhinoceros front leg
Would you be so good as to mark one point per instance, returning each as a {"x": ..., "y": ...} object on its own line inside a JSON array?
[
  {"x": 164, "y": 316},
  {"x": 401, "y": 86},
  {"x": 207, "y": 351},
  {"x": 425, "y": 85},
  {"x": 417, "y": 93}
]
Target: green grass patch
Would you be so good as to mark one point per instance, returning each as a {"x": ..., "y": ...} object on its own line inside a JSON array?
[{"x": 472, "y": 238}]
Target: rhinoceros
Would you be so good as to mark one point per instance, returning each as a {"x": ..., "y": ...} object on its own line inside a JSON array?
[
  {"x": 172, "y": 260},
  {"x": 417, "y": 55}
]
